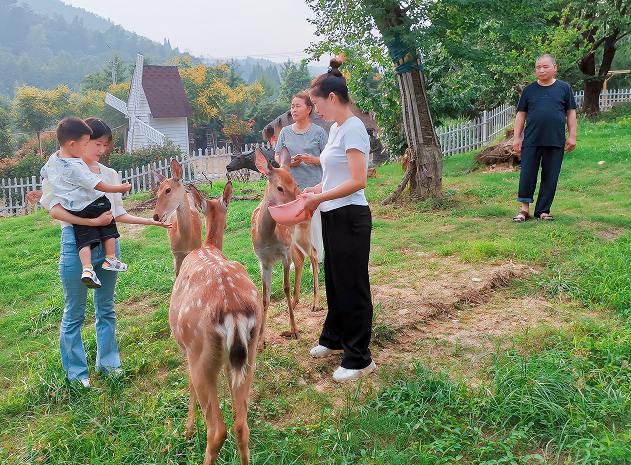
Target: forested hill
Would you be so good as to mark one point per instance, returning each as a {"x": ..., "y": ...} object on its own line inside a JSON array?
[
  {"x": 46, "y": 50},
  {"x": 57, "y": 7}
]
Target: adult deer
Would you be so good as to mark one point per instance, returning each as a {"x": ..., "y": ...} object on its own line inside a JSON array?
[
  {"x": 216, "y": 316},
  {"x": 177, "y": 205},
  {"x": 273, "y": 241}
]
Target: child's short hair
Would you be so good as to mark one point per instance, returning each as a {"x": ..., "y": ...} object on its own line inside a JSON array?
[{"x": 72, "y": 128}]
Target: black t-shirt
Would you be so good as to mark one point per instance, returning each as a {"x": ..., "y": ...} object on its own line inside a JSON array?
[{"x": 546, "y": 108}]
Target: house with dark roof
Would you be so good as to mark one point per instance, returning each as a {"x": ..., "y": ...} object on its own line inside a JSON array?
[
  {"x": 157, "y": 107},
  {"x": 163, "y": 105}
]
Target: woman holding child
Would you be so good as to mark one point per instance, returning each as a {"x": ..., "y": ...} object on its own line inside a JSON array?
[
  {"x": 346, "y": 227},
  {"x": 72, "y": 350}
]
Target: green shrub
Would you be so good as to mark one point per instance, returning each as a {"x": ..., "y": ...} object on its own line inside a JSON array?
[{"x": 138, "y": 158}]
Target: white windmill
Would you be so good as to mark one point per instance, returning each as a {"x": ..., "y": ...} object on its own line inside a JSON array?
[{"x": 131, "y": 110}]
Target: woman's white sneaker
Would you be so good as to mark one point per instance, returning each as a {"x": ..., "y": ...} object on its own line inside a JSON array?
[
  {"x": 343, "y": 375},
  {"x": 321, "y": 351}
]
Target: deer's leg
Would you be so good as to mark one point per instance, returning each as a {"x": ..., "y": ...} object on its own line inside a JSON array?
[
  {"x": 204, "y": 374},
  {"x": 190, "y": 422},
  {"x": 293, "y": 328},
  {"x": 266, "y": 278},
  {"x": 299, "y": 263}
]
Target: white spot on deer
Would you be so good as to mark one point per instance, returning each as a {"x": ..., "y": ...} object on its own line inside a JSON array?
[
  {"x": 254, "y": 292},
  {"x": 221, "y": 287},
  {"x": 199, "y": 302}
]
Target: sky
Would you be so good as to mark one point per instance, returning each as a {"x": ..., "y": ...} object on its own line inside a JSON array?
[{"x": 274, "y": 29}]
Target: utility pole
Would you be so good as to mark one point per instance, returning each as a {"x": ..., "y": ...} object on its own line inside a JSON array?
[{"x": 113, "y": 71}]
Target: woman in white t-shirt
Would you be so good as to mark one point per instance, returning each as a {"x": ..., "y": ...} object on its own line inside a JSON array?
[
  {"x": 73, "y": 357},
  {"x": 346, "y": 227}
]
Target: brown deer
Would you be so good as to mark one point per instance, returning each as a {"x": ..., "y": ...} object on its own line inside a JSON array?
[
  {"x": 178, "y": 207},
  {"x": 216, "y": 316},
  {"x": 273, "y": 241},
  {"x": 30, "y": 200}
]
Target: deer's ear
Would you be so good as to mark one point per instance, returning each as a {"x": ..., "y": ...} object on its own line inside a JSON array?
[
  {"x": 285, "y": 158},
  {"x": 261, "y": 162},
  {"x": 227, "y": 194},
  {"x": 161, "y": 178},
  {"x": 199, "y": 199},
  {"x": 176, "y": 170}
]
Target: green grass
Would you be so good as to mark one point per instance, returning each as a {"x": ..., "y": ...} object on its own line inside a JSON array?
[{"x": 546, "y": 395}]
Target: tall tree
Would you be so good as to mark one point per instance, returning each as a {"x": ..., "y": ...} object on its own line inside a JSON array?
[
  {"x": 37, "y": 110},
  {"x": 350, "y": 21},
  {"x": 602, "y": 23},
  {"x": 294, "y": 78},
  {"x": 114, "y": 73}
]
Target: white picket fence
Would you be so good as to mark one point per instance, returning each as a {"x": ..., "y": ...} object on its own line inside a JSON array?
[
  {"x": 606, "y": 99},
  {"x": 198, "y": 167},
  {"x": 210, "y": 165},
  {"x": 471, "y": 135}
]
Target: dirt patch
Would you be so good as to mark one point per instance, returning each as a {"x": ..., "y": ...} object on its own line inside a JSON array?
[
  {"x": 604, "y": 231},
  {"x": 131, "y": 231},
  {"x": 501, "y": 168},
  {"x": 449, "y": 319}
]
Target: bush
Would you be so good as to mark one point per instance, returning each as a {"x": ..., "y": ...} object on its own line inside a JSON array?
[
  {"x": 26, "y": 161},
  {"x": 138, "y": 158}
]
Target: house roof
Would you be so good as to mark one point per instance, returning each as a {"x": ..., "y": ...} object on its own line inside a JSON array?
[{"x": 165, "y": 92}]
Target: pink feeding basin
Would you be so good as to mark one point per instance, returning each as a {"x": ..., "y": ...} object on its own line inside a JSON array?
[{"x": 286, "y": 213}]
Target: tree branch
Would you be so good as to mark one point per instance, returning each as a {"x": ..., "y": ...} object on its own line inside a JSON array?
[{"x": 406, "y": 178}]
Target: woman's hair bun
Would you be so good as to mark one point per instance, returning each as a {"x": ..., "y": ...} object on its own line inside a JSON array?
[
  {"x": 335, "y": 63},
  {"x": 334, "y": 66}
]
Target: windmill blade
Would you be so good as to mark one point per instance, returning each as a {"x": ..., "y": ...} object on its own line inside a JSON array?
[
  {"x": 116, "y": 103},
  {"x": 136, "y": 85},
  {"x": 150, "y": 133}
]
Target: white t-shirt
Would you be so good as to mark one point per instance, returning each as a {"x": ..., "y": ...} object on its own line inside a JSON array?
[
  {"x": 350, "y": 135},
  {"x": 108, "y": 176},
  {"x": 71, "y": 181}
]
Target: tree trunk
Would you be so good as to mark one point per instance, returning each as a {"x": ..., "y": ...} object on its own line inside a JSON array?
[
  {"x": 39, "y": 141},
  {"x": 594, "y": 84},
  {"x": 592, "y": 88},
  {"x": 425, "y": 169}
]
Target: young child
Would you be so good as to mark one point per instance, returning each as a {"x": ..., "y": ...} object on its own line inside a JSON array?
[{"x": 78, "y": 189}]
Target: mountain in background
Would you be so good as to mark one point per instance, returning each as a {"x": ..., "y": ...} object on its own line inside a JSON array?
[
  {"x": 57, "y": 7},
  {"x": 252, "y": 69},
  {"x": 46, "y": 43}
]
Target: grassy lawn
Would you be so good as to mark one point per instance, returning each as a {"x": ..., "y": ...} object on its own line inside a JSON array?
[{"x": 495, "y": 342}]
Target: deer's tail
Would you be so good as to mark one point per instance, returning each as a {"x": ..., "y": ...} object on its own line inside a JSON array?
[{"x": 235, "y": 332}]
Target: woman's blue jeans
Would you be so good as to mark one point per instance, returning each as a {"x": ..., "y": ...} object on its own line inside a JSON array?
[{"x": 73, "y": 357}]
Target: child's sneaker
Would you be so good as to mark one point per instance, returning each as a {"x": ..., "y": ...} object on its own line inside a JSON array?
[
  {"x": 89, "y": 278},
  {"x": 114, "y": 264}
]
